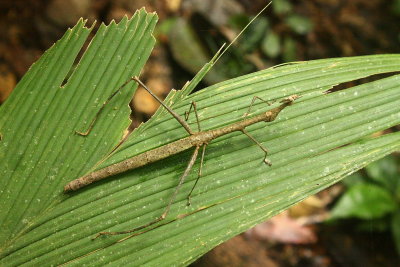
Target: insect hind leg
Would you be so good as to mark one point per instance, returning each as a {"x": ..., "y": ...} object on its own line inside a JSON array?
[
  {"x": 91, "y": 125},
  {"x": 173, "y": 113},
  {"x": 171, "y": 200},
  {"x": 199, "y": 174}
]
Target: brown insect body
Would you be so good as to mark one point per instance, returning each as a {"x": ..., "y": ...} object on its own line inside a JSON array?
[{"x": 195, "y": 140}]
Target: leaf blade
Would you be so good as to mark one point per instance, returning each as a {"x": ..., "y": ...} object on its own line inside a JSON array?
[
  {"x": 235, "y": 192},
  {"x": 53, "y": 152}
]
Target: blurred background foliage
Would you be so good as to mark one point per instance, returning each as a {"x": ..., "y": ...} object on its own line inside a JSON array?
[
  {"x": 372, "y": 196},
  {"x": 356, "y": 223}
]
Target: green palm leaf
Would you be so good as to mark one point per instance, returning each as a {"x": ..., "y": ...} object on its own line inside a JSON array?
[{"x": 314, "y": 143}]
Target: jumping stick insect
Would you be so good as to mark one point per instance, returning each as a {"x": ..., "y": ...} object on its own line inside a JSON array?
[{"x": 197, "y": 140}]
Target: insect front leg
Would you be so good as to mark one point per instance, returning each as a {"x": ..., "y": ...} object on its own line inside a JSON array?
[
  {"x": 252, "y": 103},
  {"x": 266, "y": 161}
]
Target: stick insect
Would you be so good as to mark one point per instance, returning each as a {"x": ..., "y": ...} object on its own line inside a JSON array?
[{"x": 197, "y": 140}]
